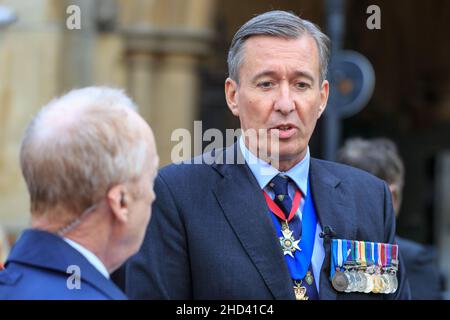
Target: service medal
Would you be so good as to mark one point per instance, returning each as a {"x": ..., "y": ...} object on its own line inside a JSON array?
[
  {"x": 384, "y": 285},
  {"x": 367, "y": 266},
  {"x": 362, "y": 284},
  {"x": 376, "y": 283},
  {"x": 387, "y": 286},
  {"x": 358, "y": 280},
  {"x": 394, "y": 283},
  {"x": 340, "y": 281},
  {"x": 369, "y": 285},
  {"x": 394, "y": 269},
  {"x": 351, "y": 281},
  {"x": 392, "y": 279}
]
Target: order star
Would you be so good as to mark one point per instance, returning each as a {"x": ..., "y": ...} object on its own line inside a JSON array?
[{"x": 288, "y": 243}]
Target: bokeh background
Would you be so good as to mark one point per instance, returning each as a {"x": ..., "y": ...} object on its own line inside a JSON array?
[{"x": 170, "y": 57}]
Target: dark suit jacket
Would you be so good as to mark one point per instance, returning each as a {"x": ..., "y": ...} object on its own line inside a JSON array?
[
  {"x": 211, "y": 237},
  {"x": 36, "y": 269},
  {"x": 421, "y": 267}
]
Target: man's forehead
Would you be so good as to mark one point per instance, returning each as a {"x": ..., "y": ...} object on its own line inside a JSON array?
[
  {"x": 261, "y": 50},
  {"x": 305, "y": 41}
]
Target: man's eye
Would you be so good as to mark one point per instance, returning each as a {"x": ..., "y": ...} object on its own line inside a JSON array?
[
  {"x": 265, "y": 85},
  {"x": 302, "y": 85}
]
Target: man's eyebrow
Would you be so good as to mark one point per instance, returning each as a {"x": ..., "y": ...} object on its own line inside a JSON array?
[
  {"x": 305, "y": 74},
  {"x": 263, "y": 74},
  {"x": 297, "y": 74}
]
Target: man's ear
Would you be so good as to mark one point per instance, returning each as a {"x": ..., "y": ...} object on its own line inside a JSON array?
[
  {"x": 117, "y": 198},
  {"x": 324, "y": 91},
  {"x": 396, "y": 197},
  {"x": 231, "y": 94}
]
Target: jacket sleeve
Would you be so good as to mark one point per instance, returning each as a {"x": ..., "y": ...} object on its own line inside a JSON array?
[
  {"x": 403, "y": 291},
  {"x": 160, "y": 270}
]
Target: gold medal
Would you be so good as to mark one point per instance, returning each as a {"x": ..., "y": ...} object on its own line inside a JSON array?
[
  {"x": 376, "y": 283},
  {"x": 383, "y": 284}
]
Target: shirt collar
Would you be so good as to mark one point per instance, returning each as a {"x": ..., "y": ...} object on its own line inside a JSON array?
[
  {"x": 264, "y": 172},
  {"x": 92, "y": 258}
]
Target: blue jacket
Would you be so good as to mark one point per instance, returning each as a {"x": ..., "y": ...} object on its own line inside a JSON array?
[
  {"x": 37, "y": 269},
  {"x": 425, "y": 278},
  {"x": 211, "y": 237}
]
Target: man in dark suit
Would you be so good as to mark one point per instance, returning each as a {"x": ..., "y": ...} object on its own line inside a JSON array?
[
  {"x": 254, "y": 221},
  {"x": 89, "y": 161},
  {"x": 381, "y": 158}
]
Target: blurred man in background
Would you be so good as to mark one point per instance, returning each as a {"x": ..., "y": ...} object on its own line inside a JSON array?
[
  {"x": 380, "y": 157},
  {"x": 89, "y": 161}
]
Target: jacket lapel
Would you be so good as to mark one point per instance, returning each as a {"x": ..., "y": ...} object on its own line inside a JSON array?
[
  {"x": 243, "y": 204},
  {"x": 239, "y": 196},
  {"x": 328, "y": 195}
]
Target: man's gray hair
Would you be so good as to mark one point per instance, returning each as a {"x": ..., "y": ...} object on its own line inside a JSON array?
[
  {"x": 278, "y": 24},
  {"x": 377, "y": 156},
  {"x": 80, "y": 145}
]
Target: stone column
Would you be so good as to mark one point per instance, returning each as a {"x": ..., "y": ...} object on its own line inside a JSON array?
[
  {"x": 30, "y": 75},
  {"x": 164, "y": 42}
]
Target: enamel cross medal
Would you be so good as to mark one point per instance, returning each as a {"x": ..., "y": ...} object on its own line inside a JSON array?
[
  {"x": 296, "y": 237},
  {"x": 287, "y": 241}
]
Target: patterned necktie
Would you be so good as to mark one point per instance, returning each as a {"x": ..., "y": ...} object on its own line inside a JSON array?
[{"x": 279, "y": 185}]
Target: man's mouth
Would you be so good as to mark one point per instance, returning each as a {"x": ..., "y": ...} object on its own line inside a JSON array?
[{"x": 284, "y": 131}]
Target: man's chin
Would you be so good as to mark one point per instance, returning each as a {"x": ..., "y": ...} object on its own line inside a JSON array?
[
  {"x": 293, "y": 155},
  {"x": 286, "y": 153}
]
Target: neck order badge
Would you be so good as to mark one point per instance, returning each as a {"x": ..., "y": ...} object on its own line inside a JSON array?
[
  {"x": 298, "y": 260},
  {"x": 287, "y": 241}
]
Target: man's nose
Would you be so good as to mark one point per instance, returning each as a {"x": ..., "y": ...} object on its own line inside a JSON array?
[{"x": 284, "y": 102}]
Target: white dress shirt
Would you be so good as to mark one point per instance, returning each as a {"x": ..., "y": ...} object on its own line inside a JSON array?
[{"x": 92, "y": 258}]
